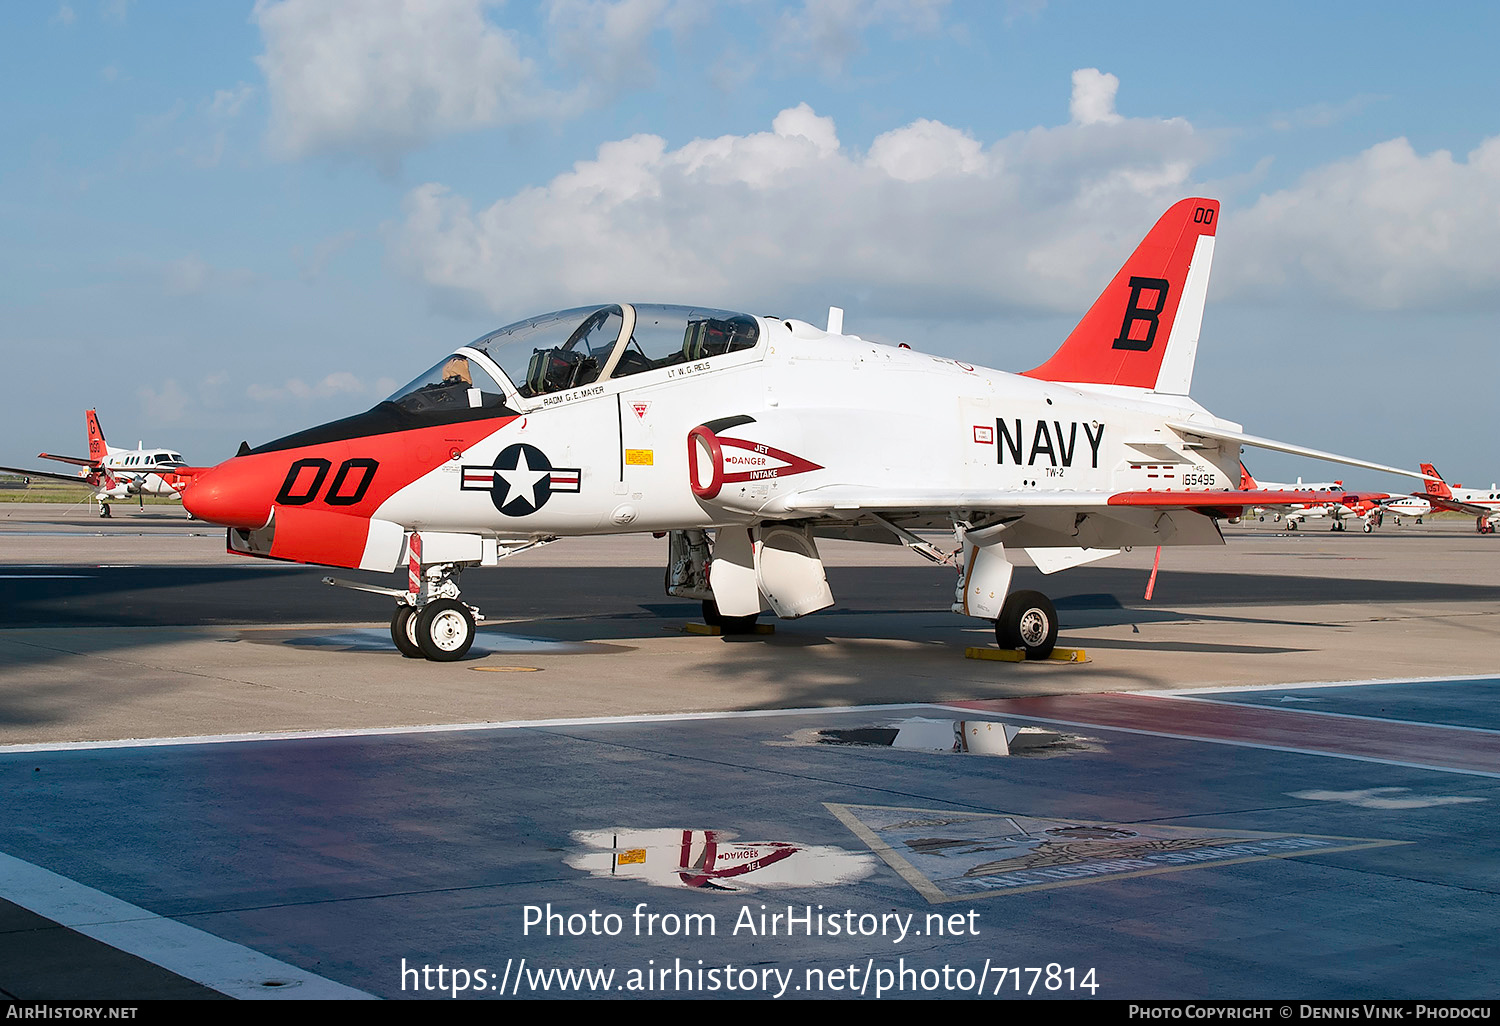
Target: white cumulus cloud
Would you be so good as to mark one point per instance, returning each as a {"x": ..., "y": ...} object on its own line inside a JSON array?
[
  {"x": 928, "y": 221},
  {"x": 1093, "y": 99},
  {"x": 378, "y": 77},
  {"x": 1387, "y": 229}
]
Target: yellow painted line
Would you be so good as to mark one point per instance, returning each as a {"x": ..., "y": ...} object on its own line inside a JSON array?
[
  {"x": 506, "y": 669},
  {"x": 1016, "y": 655}
]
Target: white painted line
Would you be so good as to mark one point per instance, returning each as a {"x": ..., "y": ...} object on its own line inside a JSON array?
[
  {"x": 214, "y": 962},
  {"x": 1237, "y": 688},
  {"x": 1324, "y": 712},
  {"x": 439, "y": 728},
  {"x": 1237, "y": 744}
]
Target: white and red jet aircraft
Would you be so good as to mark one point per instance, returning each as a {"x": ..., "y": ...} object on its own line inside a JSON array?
[
  {"x": 118, "y": 474},
  {"x": 771, "y": 434}
]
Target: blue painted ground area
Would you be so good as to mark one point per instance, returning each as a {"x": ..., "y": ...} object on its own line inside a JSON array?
[
  {"x": 1113, "y": 864},
  {"x": 1469, "y": 702}
]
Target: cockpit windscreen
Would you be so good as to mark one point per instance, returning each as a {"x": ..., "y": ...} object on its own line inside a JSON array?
[
  {"x": 555, "y": 351},
  {"x": 455, "y": 384}
]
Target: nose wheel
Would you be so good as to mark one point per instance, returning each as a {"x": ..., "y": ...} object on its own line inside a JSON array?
[
  {"x": 404, "y": 632},
  {"x": 442, "y": 630}
]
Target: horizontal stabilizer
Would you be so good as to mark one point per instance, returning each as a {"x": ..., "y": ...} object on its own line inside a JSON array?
[
  {"x": 1223, "y": 435},
  {"x": 75, "y": 460}
]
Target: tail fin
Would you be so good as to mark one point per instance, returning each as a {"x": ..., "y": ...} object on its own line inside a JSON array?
[
  {"x": 1247, "y": 483},
  {"x": 1142, "y": 331},
  {"x": 98, "y": 448},
  {"x": 1438, "y": 488}
]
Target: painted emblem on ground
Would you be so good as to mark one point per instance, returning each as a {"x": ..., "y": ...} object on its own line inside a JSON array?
[
  {"x": 521, "y": 480},
  {"x": 960, "y": 856},
  {"x": 714, "y": 860}
]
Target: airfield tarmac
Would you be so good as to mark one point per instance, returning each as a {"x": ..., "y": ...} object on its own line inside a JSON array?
[{"x": 222, "y": 779}]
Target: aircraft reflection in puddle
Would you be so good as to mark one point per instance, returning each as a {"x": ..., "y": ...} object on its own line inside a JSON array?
[
  {"x": 975, "y": 737},
  {"x": 714, "y": 860}
]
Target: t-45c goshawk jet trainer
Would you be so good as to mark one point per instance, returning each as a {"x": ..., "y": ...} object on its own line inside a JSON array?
[{"x": 747, "y": 438}]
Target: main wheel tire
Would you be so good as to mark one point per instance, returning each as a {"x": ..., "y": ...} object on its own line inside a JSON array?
[
  {"x": 1291, "y": 525},
  {"x": 1028, "y": 621},
  {"x": 1369, "y": 527},
  {"x": 104, "y": 510},
  {"x": 727, "y": 624},
  {"x": 404, "y": 632},
  {"x": 444, "y": 630}
]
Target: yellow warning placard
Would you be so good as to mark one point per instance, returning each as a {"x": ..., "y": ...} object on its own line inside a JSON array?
[
  {"x": 639, "y": 457},
  {"x": 633, "y": 857}
]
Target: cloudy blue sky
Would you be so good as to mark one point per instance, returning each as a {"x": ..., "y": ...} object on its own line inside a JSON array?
[{"x": 223, "y": 221}]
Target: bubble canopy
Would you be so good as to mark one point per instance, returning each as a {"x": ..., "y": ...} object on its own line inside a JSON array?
[{"x": 574, "y": 348}]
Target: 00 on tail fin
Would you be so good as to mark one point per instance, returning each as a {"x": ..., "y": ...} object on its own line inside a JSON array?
[{"x": 1142, "y": 331}]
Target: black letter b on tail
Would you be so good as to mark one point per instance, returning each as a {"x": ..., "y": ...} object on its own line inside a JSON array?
[{"x": 1135, "y": 313}]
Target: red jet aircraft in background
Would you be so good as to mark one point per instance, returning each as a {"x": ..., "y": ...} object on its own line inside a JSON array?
[{"x": 767, "y": 433}]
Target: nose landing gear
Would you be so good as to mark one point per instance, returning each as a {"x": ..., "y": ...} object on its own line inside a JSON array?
[
  {"x": 444, "y": 630},
  {"x": 429, "y": 622}
]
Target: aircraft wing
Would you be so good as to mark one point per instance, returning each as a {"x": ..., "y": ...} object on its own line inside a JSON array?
[
  {"x": 847, "y": 500},
  {"x": 70, "y": 478}
]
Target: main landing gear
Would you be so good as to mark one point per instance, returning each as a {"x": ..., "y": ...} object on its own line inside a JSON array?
[
  {"x": 1024, "y": 620},
  {"x": 1484, "y": 525},
  {"x": 727, "y": 624},
  {"x": 688, "y": 557},
  {"x": 1027, "y": 621},
  {"x": 104, "y": 510}
]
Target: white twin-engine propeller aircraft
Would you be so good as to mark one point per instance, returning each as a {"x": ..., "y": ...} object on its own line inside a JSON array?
[
  {"x": 748, "y": 438},
  {"x": 118, "y": 474}
]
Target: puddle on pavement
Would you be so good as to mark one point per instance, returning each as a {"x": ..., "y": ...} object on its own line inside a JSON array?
[
  {"x": 972, "y": 737},
  {"x": 370, "y": 639}
]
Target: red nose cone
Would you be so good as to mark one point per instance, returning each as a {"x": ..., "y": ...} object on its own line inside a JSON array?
[{"x": 233, "y": 494}]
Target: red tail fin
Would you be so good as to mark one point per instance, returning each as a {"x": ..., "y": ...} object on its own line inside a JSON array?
[
  {"x": 1143, "y": 329},
  {"x": 1247, "y": 483},
  {"x": 98, "y": 449},
  {"x": 1438, "y": 488}
]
